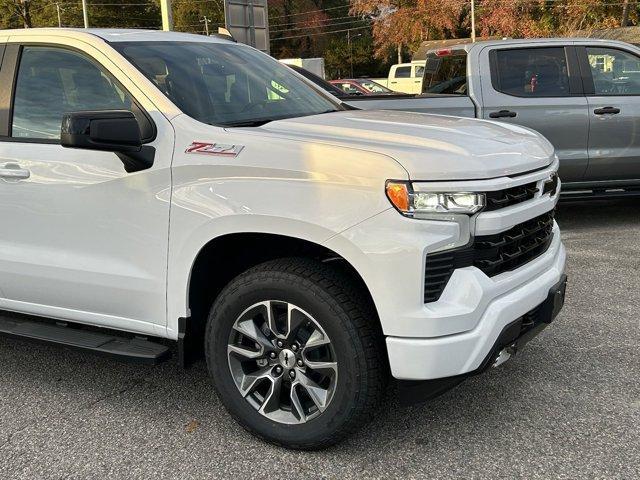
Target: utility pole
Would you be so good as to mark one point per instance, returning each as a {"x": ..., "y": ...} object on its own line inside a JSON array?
[
  {"x": 59, "y": 16},
  {"x": 206, "y": 24},
  {"x": 167, "y": 15},
  {"x": 85, "y": 14},
  {"x": 350, "y": 46},
  {"x": 625, "y": 14},
  {"x": 473, "y": 20}
]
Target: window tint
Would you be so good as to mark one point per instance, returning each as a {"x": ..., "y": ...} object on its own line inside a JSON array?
[
  {"x": 374, "y": 87},
  {"x": 446, "y": 73},
  {"x": 223, "y": 84},
  {"x": 53, "y": 81},
  {"x": 532, "y": 72},
  {"x": 403, "y": 72},
  {"x": 614, "y": 72}
]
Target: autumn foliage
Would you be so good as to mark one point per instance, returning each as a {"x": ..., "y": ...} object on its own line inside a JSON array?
[{"x": 408, "y": 22}]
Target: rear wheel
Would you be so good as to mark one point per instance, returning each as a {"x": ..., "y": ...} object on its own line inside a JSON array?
[{"x": 294, "y": 353}]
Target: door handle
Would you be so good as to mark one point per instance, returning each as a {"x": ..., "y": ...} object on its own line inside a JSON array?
[
  {"x": 606, "y": 111},
  {"x": 503, "y": 114},
  {"x": 13, "y": 171}
]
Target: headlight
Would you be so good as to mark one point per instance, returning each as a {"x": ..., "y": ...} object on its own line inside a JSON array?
[{"x": 411, "y": 203}]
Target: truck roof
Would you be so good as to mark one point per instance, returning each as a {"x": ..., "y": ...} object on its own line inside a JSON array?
[
  {"x": 115, "y": 34},
  {"x": 519, "y": 41}
]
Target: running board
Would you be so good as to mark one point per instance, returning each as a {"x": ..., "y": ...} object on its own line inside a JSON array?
[
  {"x": 135, "y": 350},
  {"x": 573, "y": 195}
]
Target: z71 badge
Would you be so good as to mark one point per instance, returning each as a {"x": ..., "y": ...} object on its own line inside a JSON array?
[{"x": 219, "y": 149}]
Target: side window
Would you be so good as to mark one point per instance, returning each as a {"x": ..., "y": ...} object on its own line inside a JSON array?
[
  {"x": 403, "y": 72},
  {"x": 614, "y": 72},
  {"x": 348, "y": 88},
  {"x": 446, "y": 73},
  {"x": 532, "y": 72},
  {"x": 52, "y": 81},
  {"x": 419, "y": 71}
]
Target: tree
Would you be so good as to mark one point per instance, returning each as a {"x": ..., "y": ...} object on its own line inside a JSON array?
[
  {"x": 299, "y": 28},
  {"x": 404, "y": 24},
  {"x": 16, "y": 12},
  {"x": 542, "y": 18},
  {"x": 338, "y": 61},
  {"x": 319, "y": 28}
]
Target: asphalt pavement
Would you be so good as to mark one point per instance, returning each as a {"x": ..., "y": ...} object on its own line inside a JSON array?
[{"x": 567, "y": 406}]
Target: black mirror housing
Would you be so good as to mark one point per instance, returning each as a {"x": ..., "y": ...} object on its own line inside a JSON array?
[
  {"x": 108, "y": 130},
  {"x": 115, "y": 131}
]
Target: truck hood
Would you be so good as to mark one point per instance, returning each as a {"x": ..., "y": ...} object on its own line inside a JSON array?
[{"x": 429, "y": 147}]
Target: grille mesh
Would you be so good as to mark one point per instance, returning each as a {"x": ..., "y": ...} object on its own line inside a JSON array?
[
  {"x": 510, "y": 196},
  {"x": 493, "y": 254}
]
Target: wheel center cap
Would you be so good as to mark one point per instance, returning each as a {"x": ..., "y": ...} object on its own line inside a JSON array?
[{"x": 287, "y": 358}]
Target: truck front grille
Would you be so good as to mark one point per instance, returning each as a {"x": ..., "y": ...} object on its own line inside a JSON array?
[
  {"x": 510, "y": 196},
  {"x": 493, "y": 254}
]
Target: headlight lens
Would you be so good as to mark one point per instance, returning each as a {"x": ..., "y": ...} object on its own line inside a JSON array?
[{"x": 411, "y": 203}]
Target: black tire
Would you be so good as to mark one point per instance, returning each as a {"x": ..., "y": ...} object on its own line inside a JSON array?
[{"x": 335, "y": 302}]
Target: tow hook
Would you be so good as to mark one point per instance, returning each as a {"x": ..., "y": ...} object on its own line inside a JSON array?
[{"x": 505, "y": 354}]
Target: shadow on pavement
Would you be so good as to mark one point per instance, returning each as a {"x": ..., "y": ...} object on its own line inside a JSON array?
[{"x": 598, "y": 213}]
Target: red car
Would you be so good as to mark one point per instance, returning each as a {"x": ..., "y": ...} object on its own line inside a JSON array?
[{"x": 360, "y": 86}]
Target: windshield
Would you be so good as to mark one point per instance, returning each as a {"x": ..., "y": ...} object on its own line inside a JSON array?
[
  {"x": 225, "y": 84},
  {"x": 446, "y": 73},
  {"x": 374, "y": 87}
]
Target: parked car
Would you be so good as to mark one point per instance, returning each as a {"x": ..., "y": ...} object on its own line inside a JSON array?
[
  {"x": 166, "y": 186},
  {"x": 321, "y": 82},
  {"x": 583, "y": 95},
  {"x": 360, "y": 86},
  {"x": 404, "y": 77}
]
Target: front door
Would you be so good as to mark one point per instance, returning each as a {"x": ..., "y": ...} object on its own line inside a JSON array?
[
  {"x": 540, "y": 88},
  {"x": 612, "y": 79},
  {"x": 81, "y": 239}
]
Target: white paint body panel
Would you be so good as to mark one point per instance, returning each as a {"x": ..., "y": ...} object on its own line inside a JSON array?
[
  {"x": 93, "y": 244},
  {"x": 85, "y": 241},
  {"x": 430, "y": 147},
  {"x": 446, "y": 356}
]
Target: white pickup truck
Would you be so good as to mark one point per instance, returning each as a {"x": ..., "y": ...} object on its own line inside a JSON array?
[
  {"x": 583, "y": 95},
  {"x": 161, "y": 189},
  {"x": 404, "y": 77}
]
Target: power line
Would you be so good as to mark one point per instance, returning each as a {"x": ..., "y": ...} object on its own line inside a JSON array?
[
  {"x": 321, "y": 33},
  {"x": 110, "y": 4},
  {"x": 330, "y": 19},
  {"x": 310, "y": 27},
  {"x": 310, "y": 11}
]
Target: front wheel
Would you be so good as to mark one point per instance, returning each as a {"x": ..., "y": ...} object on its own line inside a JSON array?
[{"x": 294, "y": 353}]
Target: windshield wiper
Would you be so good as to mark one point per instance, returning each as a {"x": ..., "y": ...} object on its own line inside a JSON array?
[
  {"x": 248, "y": 123},
  {"x": 262, "y": 121},
  {"x": 333, "y": 110}
]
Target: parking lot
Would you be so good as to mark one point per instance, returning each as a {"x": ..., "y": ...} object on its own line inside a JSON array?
[{"x": 567, "y": 407}]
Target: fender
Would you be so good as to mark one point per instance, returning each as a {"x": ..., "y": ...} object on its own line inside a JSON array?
[{"x": 182, "y": 257}]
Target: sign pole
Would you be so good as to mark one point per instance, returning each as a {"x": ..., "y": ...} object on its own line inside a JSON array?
[
  {"x": 473, "y": 20},
  {"x": 167, "y": 15},
  {"x": 85, "y": 14}
]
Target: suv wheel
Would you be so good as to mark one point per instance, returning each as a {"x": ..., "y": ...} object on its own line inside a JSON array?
[{"x": 294, "y": 353}]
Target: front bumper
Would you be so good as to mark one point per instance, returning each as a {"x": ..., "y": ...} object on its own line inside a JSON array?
[
  {"x": 512, "y": 338},
  {"x": 442, "y": 356},
  {"x": 453, "y": 335}
]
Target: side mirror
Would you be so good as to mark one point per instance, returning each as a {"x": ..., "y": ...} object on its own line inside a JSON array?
[{"x": 108, "y": 130}]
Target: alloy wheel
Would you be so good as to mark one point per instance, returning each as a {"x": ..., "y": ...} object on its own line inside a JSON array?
[{"x": 282, "y": 362}]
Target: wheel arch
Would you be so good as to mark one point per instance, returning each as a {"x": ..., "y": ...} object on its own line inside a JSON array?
[{"x": 230, "y": 254}]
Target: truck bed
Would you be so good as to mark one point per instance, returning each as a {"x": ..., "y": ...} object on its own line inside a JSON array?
[{"x": 458, "y": 105}]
